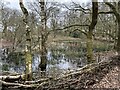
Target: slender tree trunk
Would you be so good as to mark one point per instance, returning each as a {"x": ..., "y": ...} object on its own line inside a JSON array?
[
  {"x": 116, "y": 12},
  {"x": 43, "y": 50},
  {"x": 90, "y": 32},
  {"x": 118, "y": 19},
  {"x": 28, "y": 56},
  {"x": 89, "y": 47},
  {"x": 43, "y": 62},
  {"x": 4, "y": 35},
  {"x": 118, "y": 41}
]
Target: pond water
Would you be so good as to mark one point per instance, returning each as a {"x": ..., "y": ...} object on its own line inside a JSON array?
[
  {"x": 60, "y": 64},
  {"x": 57, "y": 63},
  {"x": 61, "y": 58}
]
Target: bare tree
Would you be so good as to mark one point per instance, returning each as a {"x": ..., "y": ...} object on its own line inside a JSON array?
[
  {"x": 90, "y": 32},
  {"x": 115, "y": 9},
  {"x": 28, "y": 56},
  {"x": 116, "y": 12},
  {"x": 43, "y": 49},
  {"x": 91, "y": 27}
]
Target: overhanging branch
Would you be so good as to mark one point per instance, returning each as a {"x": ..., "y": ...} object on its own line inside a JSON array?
[
  {"x": 111, "y": 6},
  {"x": 77, "y": 9},
  {"x": 79, "y": 6},
  {"x": 66, "y": 27},
  {"x": 72, "y": 26},
  {"x": 113, "y": 9},
  {"x": 80, "y": 31},
  {"x": 109, "y": 12}
]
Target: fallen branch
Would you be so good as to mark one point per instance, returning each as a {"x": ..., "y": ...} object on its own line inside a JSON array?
[
  {"x": 9, "y": 78},
  {"x": 38, "y": 81},
  {"x": 17, "y": 84}
]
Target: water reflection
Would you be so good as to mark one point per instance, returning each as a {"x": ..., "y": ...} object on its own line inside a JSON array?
[
  {"x": 60, "y": 59},
  {"x": 60, "y": 64}
]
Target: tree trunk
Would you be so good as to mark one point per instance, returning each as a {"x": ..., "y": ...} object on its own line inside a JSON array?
[
  {"x": 116, "y": 12},
  {"x": 43, "y": 62},
  {"x": 118, "y": 41},
  {"x": 89, "y": 48},
  {"x": 90, "y": 32},
  {"x": 28, "y": 56},
  {"x": 28, "y": 61},
  {"x": 43, "y": 50}
]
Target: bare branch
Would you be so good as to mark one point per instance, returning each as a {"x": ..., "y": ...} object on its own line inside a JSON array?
[
  {"x": 17, "y": 84},
  {"x": 72, "y": 26},
  {"x": 80, "y": 31},
  {"x": 79, "y": 6},
  {"x": 109, "y": 12},
  {"x": 111, "y": 6},
  {"x": 77, "y": 9},
  {"x": 113, "y": 9},
  {"x": 69, "y": 27},
  {"x": 35, "y": 9},
  {"x": 24, "y": 10}
]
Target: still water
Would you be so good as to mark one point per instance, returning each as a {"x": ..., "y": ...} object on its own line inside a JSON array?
[
  {"x": 60, "y": 58},
  {"x": 57, "y": 63}
]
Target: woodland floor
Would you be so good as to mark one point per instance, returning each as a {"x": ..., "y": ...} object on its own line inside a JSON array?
[
  {"x": 105, "y": 76},
  {"x": 102, "y": 76}
]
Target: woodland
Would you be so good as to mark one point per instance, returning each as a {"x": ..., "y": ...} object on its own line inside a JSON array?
[{"x": 56, "y": 45}]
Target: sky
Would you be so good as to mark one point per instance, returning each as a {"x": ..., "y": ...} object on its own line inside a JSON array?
[{"x": 15, "y": 3}]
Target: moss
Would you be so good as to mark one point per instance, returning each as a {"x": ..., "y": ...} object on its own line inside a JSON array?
[
  {"x": 28, "y": 60},
  {"x": 89, "y": 45}
]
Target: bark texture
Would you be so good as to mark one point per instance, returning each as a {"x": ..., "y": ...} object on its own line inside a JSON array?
[
  {"x": 118, "y": 41},
  {"x": 43, "y": 50},
  {"x": 90, "y": 32},
  {"x": 28, "y": 56}
]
